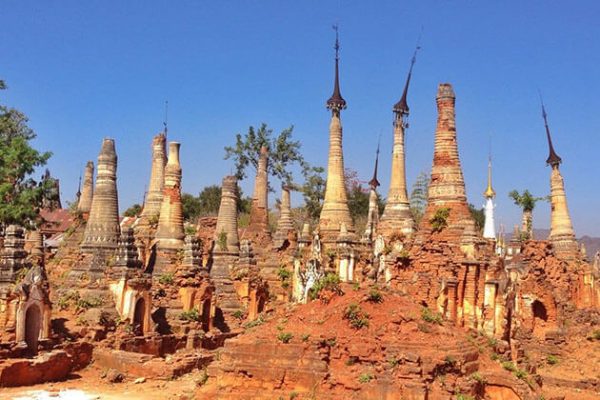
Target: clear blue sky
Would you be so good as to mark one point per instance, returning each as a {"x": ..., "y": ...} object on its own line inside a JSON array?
[{"x": 85, "y": 70}]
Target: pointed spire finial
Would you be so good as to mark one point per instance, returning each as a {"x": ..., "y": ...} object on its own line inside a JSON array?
[
  {"x": 553, "y": 159},
  {"x": 489, "y": 191},
  {"x": 78, "y": 194},
  {"x": 166, "y": 121},
  {"x": 336, "y": 102},
  {"x": 401, "y": 107},
  {"x": 374, "y": 182}
]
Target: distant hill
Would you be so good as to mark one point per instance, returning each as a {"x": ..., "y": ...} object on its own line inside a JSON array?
[{"x": 592, "y": 244}]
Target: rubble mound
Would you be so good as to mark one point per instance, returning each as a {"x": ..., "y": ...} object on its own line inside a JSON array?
[{"x": 365, "y": 343}]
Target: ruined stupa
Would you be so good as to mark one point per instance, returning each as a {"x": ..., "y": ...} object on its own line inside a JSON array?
[
  {"x": 285, "y": 225},
  {"x": 87, "y": 193},
  {"x": 102, "y": 229},
  {"x": 154, "y": 196},
  {"x": 226, "y": 232},
  {"x": 335, "y": 209},
  {"x": 562, "y": 235},
  {"x": 258, "y": 229},
  {"x": 397, "y": 216},
  {"x": 170, "y": 232},
  {"x": 447, "y": 209}
]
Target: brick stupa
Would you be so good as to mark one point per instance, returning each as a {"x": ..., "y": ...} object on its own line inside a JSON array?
[{"x": 447, "y": 185}]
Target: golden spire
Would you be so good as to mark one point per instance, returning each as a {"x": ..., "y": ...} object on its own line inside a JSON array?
[{"x": 489, "y": 192}]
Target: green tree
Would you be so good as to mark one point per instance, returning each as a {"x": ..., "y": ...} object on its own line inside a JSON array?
[
  {"x": 479, "y": 216},
  {"x": 418, "y": 196},
  {"x": 192, "y": 207},
  {"x": 210, "y": 200},
  {"x": 21, "y": 197},
  {"x": 313, "y": 191},
  {"x": 526, "y": 201},
  {"x": 133, "y": 211},
  {"x": 283, "y": 152}
]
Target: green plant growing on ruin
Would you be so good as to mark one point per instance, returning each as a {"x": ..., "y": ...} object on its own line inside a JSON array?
[
  {"x": 595, "y": 335},
  {"x": 190, "y": 315},
  {"x": 293, "y": 395},
  {"x": 285, "y": 337},
  {"x": 89, "y": 302},
  {"x": 305, "y": 337},
  {"x": 81, "y": 321},
  {"x": 351, "y": 361},
  {"x": 509, "y": 366},
  {"x": 439, "y": 221},
  {"x": 365, "y": 377},
  {"x": 190, "y": 230},
  {"x": 257, "y": 322},
  {"x": 284, "y": 276},
  {"x": 526, "y": 201},
  {"x": 356, "y": 316},
  {"x": 460, "y": 396},
  {"x": 375, "y": 296},
  {"x": 203, "y": 378},
  {"x": 403, "y": 257},
  {"x": 477, "y": 377},
  {"x": 356, "y": 286},
  {"x": 552, "y": 359},
  {"x": 238, "y": 314},
  {"x": 222, "y": 241},
  {"x": 393, "y": 362},
  {"x": 330, "y": 282},
  {"x": 431, "y": 317},
  {"x": 166, "y": 279}
]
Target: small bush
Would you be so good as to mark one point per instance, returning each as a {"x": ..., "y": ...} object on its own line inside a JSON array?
[
  {"x": 595, "y": 335},
  {"x": 89, "y": 302},
  {"x": 461, "y": 396},
  {"x": 450, "y": 361},
  {"x": 393, "y": 362},
  {"x": 166, "y": 279},
  {"x": 222, "y": 241},
  {"x": 476, "y": 376},
  {"x": 238, "y": 314},
  {"x": 293, "y": 395},
  {"x": 356, "y": 286},
  {"x": 552, "y": 359},
  {"x": 429, "y": 316},
  {"x": 358, "y": 318},
  {"x": 305, "y": 337},
  {"x": 375, "y": 296},
  {"x": 509, "y": 366},
  {"x": 365, "y": 377},
  {"x": 519, "y": 373},
  {"x": 283, "y": 273},
  {"x": 330, "y": 282},
  {"x": 439, "y": 221},
  {"x": 191, "y": 315},
  {"x": 258, "y": 321},
  {"x": 285, "y": 337}
]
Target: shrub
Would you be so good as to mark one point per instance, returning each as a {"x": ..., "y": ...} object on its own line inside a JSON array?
[
  {"x": 365, "y": 377},
  {"x": 258, "y": 321},
  {"x": 461, "y": 396},
  {"x": 509, "y": 366},
  {"x": 68, "y": 298},
  {"x": 429, "y": 316},
  {"x": 519, "y": 373},
  {"x": 285, "y": 337},
  {"x": 375, "y": 296},
  {"x": 356, "y": 286},
  {"x": 476, "y": 376},
  {"x": 283, "y": 273},
  {"x": 89, "y": 302},
  {"x": 595, "y": 335},
  {"x": 222, "y": 241},
  {"x": 393, "y": 362},
  {"x": 190, "y": 315},
  {"x": 439, "y": 221},
  {"x": 330, "y": 282},
  {"x": 552, "y": 359},
  {"x": 238, "y": 314},
  {"x": 293, "y": 395},
  {"x": 305, "y": 337},
  {"x": 358, "y": 318},
  {"x": 166, "y": 279}
]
